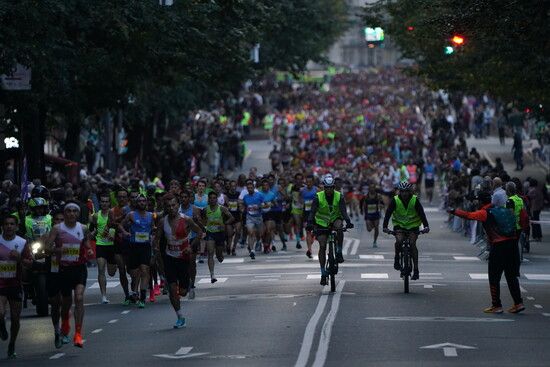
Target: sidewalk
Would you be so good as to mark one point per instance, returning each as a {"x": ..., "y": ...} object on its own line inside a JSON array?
[{"x": 491, "y": 149}]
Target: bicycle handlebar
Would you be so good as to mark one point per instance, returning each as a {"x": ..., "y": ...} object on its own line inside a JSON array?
[{"x": 393, "y": 233}]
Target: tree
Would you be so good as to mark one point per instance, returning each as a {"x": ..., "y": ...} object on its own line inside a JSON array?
[{"x": 506, "y": 49}]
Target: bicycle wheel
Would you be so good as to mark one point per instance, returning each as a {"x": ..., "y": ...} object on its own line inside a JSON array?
[
  {"x": 332, "y": 266},
  {"x": 407, "y": 271}
]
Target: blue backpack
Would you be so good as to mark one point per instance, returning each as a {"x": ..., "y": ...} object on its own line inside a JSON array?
[{"x": 505, "y": 221}]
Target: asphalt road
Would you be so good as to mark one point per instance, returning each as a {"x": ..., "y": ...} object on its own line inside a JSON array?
[{"x": 273, "y": 312}]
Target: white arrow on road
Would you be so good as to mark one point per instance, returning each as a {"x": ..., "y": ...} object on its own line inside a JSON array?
[
  {"x": 449, "y": 349},
  {"x": 182, "y": 353},
  {"x": 429, "y": 285}
]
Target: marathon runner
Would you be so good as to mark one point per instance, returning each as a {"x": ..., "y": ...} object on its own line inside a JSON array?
[
  {"x": 174, "y": 230},
  {"x": 141, "y": 224},
  {"x": 70, "y": 241},
  {"x": 307, "y": 195},
  {"x": 118, "y": 213},
  {"x": 269, "y": 199},
  {"x": 251, "y": 205},
  {"x": 104, "y": 234},
  {"x": 297, "y": 209},
  {"x": 371, "y": 207},
  {"x": 214, "y": 218},
  {"x": 233, "y": 230},
  {"x": 14, "y": 254},
  {"x": 190, "y": 211}
]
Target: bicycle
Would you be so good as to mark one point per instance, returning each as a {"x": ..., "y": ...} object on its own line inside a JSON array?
[
  {"x": 405, "y": 256},
  {"x": 331, "y": 265},
  {"x": 524, "y": 245}
]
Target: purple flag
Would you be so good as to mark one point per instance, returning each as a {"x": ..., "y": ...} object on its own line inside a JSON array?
[{"x": 24, "y": 180}]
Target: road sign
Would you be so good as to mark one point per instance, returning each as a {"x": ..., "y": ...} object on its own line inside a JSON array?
[
  {"x": 449, "y": 349},
  {"x": 182, "y": 353},
  {"x": 18, "y": 79}
]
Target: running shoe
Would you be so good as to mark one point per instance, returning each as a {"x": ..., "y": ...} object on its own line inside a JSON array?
[
  {"x": 374, "y": 245},
  {"x": 273, "y": 248},
  {"x": 252, "y": 255},
  {"x": 339, "y": 258},
  {"x": 156, "y": 290},
  {"x": 104, "y": 300},
  {"x": 12, "y": 354},
  {"x": 233, "y": 252},
  {"x": 180, "y": 323},
  {"x": 396, "y": 264},
  {"x": 258, "y": 246},
  {"x": 126, "y": 302},
  {"x": 517, "y": 308},
  {"x": 141, "y": 304},
  {"x": 284, "y": 248},
  {"x": 323, "y": 280},
  {"x": 191, "y": 293},
  {"x": 308, "y": 254},
  {"x": 65, "y": 339},
  {"x": 298, "y": 245},
  {"x": 201, "y": 259},
  {"x": 57, "y": 341},
  {"x": 78, "y": 340},
  {"x": 416, "y": 275},
  {"x": 493, "y": 309},
  {"x": 152, "y": 296},
  {"x": 213, "y": 280}
]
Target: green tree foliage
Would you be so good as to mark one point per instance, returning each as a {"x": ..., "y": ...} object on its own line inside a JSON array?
[{"x": 506, "y": 50}]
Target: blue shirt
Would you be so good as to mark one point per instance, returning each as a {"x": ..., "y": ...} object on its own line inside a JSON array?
[
  {"x": 308, "y": 196},
  {"x": 268, "y": 197},
  {"x": 253, "y": 204},
  {"x": 141, "y": 228}
]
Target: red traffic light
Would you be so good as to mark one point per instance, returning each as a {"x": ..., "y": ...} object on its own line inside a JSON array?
[
  {"x": 410, "y": 28},
  {"x": 457, "y": 40}
]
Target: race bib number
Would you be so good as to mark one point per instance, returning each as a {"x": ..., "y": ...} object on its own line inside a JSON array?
[
  {"x": 253, "y": 210},
  {"x": 54, "y": 266},
  {"x": 307, "y": 205},
  {"x": 71, "y": 252},
  {"x": 266, "y": 207},
  {"x": 142, "y": 237},
  {"x": 372, "y": 208},
  {"x": 8, "y": 269},
  {"x": 233, "y": 206},
  {"x": 429, "y": 176}
]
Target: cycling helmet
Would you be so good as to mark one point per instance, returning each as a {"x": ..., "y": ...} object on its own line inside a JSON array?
[
  {"x": 404, "y": 186},
  {"x": 328, "y": 181},
  {"x": 40, "y": 192},
  {"x": 37, "y": 202}
]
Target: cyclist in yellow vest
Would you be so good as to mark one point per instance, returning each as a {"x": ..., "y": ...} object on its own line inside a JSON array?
[
  {"x": 515, "y": 202},
  {"x": 328, "y": 210},
  {"x": 406, "y": 213},
  {"x": 214, "y": 218}
]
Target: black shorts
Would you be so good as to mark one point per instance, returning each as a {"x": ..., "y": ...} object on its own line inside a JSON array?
[
  {"x": 12, "y": 293},
  {"x": 177, "y": 271},
  {"x": 71, "y": 276},
  {"x": 372, "y": 217},
  {"x": 237, "y": 216},
  {"x": 53, "y": 284},
  {"x": 217, "y": 237},
  {"x": 122, "y": 247},
  {"x": 140, "y": 254},
  {"x": 268, "y": 216},
  {"x": 429, "y": 183},
  {"x": 285, "y": 216},
  {"x": 105, "y": 252}
]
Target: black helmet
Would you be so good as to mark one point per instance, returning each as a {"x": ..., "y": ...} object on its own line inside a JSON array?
[{"x": 40, "y": 191}]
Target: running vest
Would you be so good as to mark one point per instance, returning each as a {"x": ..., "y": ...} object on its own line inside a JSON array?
[
  {"x": 201, "y": 202},
  {"x": 307, "y": 196},
  {"x": 10, "y": 271},
  {"x": 518, "y": 205},
  {"x": 71, "y": 242},
  {"x": 412, "y": 173},
  {"x": 372, "y": 205},
  {"x": 327, "y": 213},
  {"x": 140, "y": 230},
  {"x": 233, "y": 202},
  {"x": 101, "y": 224},
  {"x": 36, "y": 227},
  {"x": 214, "y": 220},
  {"x": 176, "y": 241},
  {"x": 406, "y": 218},
  {"x": 297, "y": 206}
]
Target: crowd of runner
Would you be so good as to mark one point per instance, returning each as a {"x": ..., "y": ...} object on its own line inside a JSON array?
[{"x": 355, "y": 138}]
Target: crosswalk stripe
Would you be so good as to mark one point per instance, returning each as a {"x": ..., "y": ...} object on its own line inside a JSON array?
[
  {"x": 371, "y": 257},
  {"x": 207, "y": 280},
  {"x": 537, "y": 276},
  {"x": 236, "y": 260},
  {"x": 313, "y": 276},
  {"x": 374, "y": 276},
  {"x": 466, "y": 258},
  {"x": 479, "y": 276},
  {"x": 355, "y": 247},
  {"x": 347, "y": 243}
]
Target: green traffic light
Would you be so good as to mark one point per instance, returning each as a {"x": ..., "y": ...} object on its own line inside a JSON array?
[{"x": 449, "y": 50}]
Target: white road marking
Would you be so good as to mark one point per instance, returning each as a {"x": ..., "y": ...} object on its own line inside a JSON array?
[
  {"x": 523, "y": 290},
  {"x": 431, "y": 209},
  {"x": 428, "y": 286},
  {"x": 371, "y": 257},
  {"x": 125, "y": 312},
  {"x": 313, "y": 276},
  {"x": 374, "y": 276},
  {"x": 236, "y": 260},
  {"x": 449, "y": 349},
  {"x": 266, "y": 280},
  {"x": 546, "y": 314},
  {"x": 268, "y": 276},
  {"x": 531, "y": 298},
  {"x": 326, "y": 331},
  {"x": 112, "y": 321},
  {"x": 466, "y": 258},
  {"x": 309, "y": 334},
  {"x": 277, "y": 260},
  {"x": 108, "y": 285},
  {"x": 537, "y": 306},
  {"x": 207, "y": 280},
  {"x": 537, "y": 276},
  {"x": 183, "y": 350},
  {"x": 57, "y": 356},
  {"x": 450, "y": 352},
  {"x": 355, "y": 247},
  {"x": 479, "y": 276},
  {"x": 438, "y": 319},
  {"x": 96, "y": 331}
]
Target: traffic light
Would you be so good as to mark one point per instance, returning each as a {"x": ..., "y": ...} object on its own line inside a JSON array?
[
  {"x": 457, "y": 40},
  {"x": 449, "y": 50}
]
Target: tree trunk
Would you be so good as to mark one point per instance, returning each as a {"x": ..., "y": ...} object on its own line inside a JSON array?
[{"x": 72, "y": 140}]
